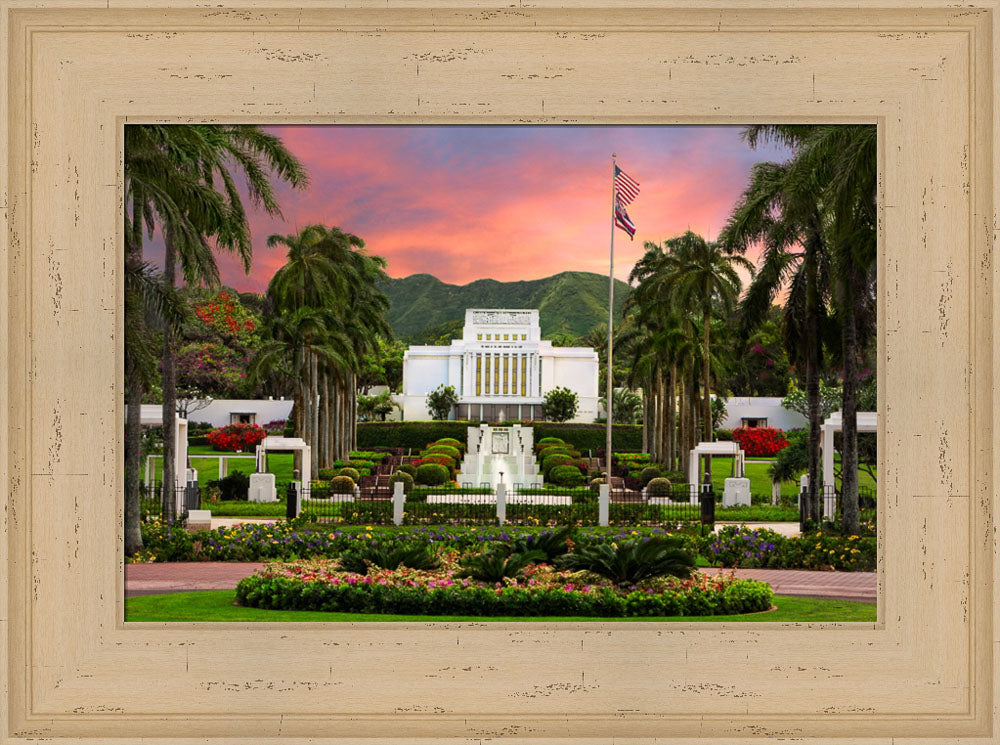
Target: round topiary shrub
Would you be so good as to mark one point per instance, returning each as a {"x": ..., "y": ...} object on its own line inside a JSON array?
[
  {"x": 408, "y": 468},
  {"x": 659, "y": 487},
  {"x": 440, "y": 458},
  {"x": 452, "y": 442},
  {"x": 431, "y": 474},
  {"x": 553, "y": 449},
  {"x": 551, "y": 461},
  {"x": 449, "y": 450},
  {"x": 566, "y": 476},
  {"x": 350, "y": 473},
  {"x": 595, "y": 484},
  {"x": 550, "y": 441},
  {"x": 342, "y": 485},
  {"x": 648, "y": 474},
  {"x": 406, "y": 478}
]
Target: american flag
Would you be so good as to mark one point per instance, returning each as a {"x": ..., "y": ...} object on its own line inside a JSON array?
[
  {"x": 622, "y": 220},
  {"x": 625, "y": 186}
]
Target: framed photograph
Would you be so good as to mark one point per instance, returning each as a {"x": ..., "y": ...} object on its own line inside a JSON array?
[{"x": 80, "y": 72}]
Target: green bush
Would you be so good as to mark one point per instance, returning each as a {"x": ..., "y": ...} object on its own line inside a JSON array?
[
  {"x": 440, "y": 458},
  {"x": 498, "y": 563},
  {"x": 406, "y": 478},
  {"x": 431, "y": 474},
  {"x": 551, "y": 461},
  {"x": 234, "y": 486},
  {"x": 659, "y": 487},
  {"x": 388, "y": 557},
  {"x": 648, "y": 474},
  {"x": 449, "y": 450},
  {"x": 351, "y": 473},
  {"x": 342, "y": 485},
  {"x": 288, "y": 593},
  {"x": 325, "y": 474},
  {"x": 452, "y": 442},
  {"x": 628, "y": 562},
  {"x": 566, "y": 475},
  {"x": 548, "y": 441},
  {"x": 408, "y": 468},
  {"x": 724, "y": 435}
]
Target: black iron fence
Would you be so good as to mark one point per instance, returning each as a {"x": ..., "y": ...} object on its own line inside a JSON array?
[{"x": 152, "y": 503}]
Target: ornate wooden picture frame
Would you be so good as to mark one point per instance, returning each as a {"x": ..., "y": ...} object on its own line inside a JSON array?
[{"x": 78, "y": 70}]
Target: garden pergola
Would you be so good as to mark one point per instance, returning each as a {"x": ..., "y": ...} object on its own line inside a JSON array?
[{"x": 867, "y": 422}]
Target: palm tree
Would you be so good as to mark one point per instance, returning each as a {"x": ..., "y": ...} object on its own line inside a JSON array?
[
  {"x": 663, "y": 353},
  {"x": 171, "y": 174},
  {"x": 782, "y": 211},
  {"x": 846, "y": 156},
  {"x": 212, "y": 153},
  {"x": 150, "y": 305},
  {"x": 703, "y": 279},
  {"x": 329, "y": 269}
]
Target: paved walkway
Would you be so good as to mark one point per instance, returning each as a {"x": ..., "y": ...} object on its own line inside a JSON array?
[{"x": 150, "y": 579}]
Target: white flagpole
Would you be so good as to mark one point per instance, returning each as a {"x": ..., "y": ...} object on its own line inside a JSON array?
[{"x": 611, "y": 316}]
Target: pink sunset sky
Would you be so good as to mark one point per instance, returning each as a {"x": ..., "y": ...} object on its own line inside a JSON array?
[{"x": 501, "y": 202}]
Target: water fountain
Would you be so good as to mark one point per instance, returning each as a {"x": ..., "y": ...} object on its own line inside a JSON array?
[{"x": 494, "y": 452}]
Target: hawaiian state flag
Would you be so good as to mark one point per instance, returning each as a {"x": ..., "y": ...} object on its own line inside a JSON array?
[{"x": 622, "y": 220}]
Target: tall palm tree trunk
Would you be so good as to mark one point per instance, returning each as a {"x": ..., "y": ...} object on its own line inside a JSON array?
[
  {"x": 682, "y": 427},
  {"x": 670, "y": 401},
  {"x": 133, "y": 459},
  {"x": 168, "y": 377},
  {"x": 849, "y": 452},
  {"x": 707, "y": 384},
  {"x": 811, "y": 508}
]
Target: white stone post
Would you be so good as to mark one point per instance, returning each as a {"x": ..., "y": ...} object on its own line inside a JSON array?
[
  {"x": 398, "y": 500},
  {"x": 603, "y": 502},
  {"x": 829, "y": 484},
  {"x": 501, "y": 503}
]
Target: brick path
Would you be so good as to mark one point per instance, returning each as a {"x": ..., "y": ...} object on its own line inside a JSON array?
[{"x": 148, "y": 579}]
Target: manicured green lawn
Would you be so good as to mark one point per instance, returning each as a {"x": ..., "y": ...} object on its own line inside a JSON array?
[
  {"x": 219, "y": 605},
  {"x": 280, "y": 464},
  {"x": 760, "y": 481}
]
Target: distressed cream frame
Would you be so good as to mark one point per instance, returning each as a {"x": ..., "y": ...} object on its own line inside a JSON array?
[{"x": 77, "y": 70}]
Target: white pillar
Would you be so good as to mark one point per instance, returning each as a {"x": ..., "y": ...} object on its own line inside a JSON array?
[
  {"x": 306, "y": 465},
  {"x": 398, "y": 500},
  {"x": 693, "y": 463},
  {"x": 829, "y": 483},
  {"x": 828, "y": 478},
  {"x": 603, "y": 500},
  {"x": 501, "y": 502}
]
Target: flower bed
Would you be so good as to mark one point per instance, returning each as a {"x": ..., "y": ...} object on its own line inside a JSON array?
[
  {"x": 543, "y": 591},
  {"x": 290, "y": 541}
]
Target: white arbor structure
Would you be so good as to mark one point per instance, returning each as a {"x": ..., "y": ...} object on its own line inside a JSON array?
[
  {"x": 737, "y": 489},
  {"x": 152, "y": 415},
  {"x": 262, "y": 486},
  {"x": 867, "y": 422}
]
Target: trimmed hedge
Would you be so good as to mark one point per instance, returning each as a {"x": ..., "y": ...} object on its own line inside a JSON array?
[
  {"x": 406, "y": 478},
  {"x": 416, "y": 435},
  {"x": 659, "y": 487},
  {"x": 287, "y": 593},
  {"x": 566, "y": 475},
  {"x": 431, "y": 474}
]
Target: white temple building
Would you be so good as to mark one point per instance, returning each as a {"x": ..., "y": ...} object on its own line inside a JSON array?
[{"x": 501, "y": 370}]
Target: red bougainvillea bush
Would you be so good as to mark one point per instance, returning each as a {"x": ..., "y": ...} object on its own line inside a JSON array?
[
  {"x": 236, "y": 437},
  {"x": 760, "y": 440}
]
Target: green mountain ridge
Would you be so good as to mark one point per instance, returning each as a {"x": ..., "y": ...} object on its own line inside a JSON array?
[{"x": 569, "y": 302}]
